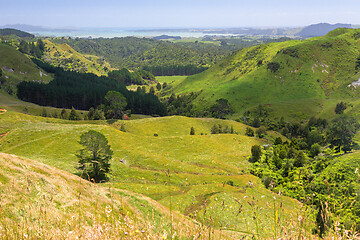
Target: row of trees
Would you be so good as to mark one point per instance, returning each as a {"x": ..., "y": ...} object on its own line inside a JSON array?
[{"x": 174, "y": 70}]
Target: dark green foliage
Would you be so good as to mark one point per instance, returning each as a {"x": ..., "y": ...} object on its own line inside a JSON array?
[
  {"x": 152, "y": 91},
  {"x": 249, "y": 132},
  {"x": 63, "y": 114},
  {"x": 293, "y": 52},
  {"x": 158, "y": 57},
  {"x": 158, "y": 86},
  {"x": 182, "y": 105},
  {"x": 255, "y": 153},
  {"x": 192, "y": 131},
  {"x": 114, "y": 105},
  {"x": 215, "y": 129},
  {"x": 175, "y": 70},
  {"x": 74, "y": 115},
  {"x": 341, "y": 131},
  {"x": 218, "y": 128},
  {"x": 273, "y": 66},
  {"x": 128, "y": 78},
  {"x": 221, "y": 108},
  {"x": 261, "y": 132},
  {"x": 300, "y": 159},
  {"x": 94, "y": 157},
  {"x": 146, "y": 75},
  {"x": 357, "y": 64},
  {"x": 11, "y": 31},
  {"x": 32, "y": 49},
  {"x": 340, "y": 107},
  {"x": 83, "y": 91},
  {"x": 278, "y": 141},
  {"x": 315, "y": 150}
]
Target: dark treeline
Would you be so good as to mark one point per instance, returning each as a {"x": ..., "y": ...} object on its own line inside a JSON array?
[
  {"x": 83, "y": 91},
  {"x": 174, "y": 70},
  {"x": 15, "y": 32}
]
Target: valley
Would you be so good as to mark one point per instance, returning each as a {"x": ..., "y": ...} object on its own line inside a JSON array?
[{"x": 259, "y": 142}]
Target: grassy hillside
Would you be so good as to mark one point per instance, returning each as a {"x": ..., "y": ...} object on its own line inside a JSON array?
[
  {"x": 39, "y": 201},
  {"x": 312, "y": 76},
  {"x": 16, "y": 67},
  {"x": 202, "y": 176},
  {"x": 64, "y": 56}
]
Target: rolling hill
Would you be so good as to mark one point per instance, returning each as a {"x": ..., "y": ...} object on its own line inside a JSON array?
[
  {"x": 309, "y": 77},
  {"x": 203, "y": 177},
  {"x": 16, "y": 67},
  {"x": 62, "y": 55}
]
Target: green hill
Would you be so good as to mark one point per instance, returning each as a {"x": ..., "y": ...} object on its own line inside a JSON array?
[
  {"x": 208, "y": 178},
  {"x": 16, "y": 67},
  {"x": 62, "y": 55},
  {"x": 40, "y": 201},
  {"x": 296, "y": 79},
  {"x": 15, "y": 32}
]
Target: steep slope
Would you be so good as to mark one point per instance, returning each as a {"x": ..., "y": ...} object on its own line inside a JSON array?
[
  {"x": 16, "y": 67},
  {"x": 202, "y": 176},
  {"x": 39, "y": 201},
  {"x": 307, "y": 76},
  {"x": 64, "y": 56}
]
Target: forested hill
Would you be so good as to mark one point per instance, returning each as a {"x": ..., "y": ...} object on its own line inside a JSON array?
[
  {"x": 15, "y": 32},
  {"x": 132, "y": 52}
]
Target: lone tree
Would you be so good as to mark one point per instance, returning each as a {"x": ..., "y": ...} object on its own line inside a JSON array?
[
  {"x": 340, "y": 108},
  {"x": 94, "y": 157}
]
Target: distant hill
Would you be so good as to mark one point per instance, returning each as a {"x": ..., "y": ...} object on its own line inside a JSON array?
[
  {"x": 11, "y": 31},
  {"x": 31, "y": 28},
  {"x": 320, "y": 29},
  {"x": 164, "y": 37}
]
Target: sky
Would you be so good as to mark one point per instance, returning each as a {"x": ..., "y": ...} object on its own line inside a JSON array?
[{"x": 178, "y": 13}]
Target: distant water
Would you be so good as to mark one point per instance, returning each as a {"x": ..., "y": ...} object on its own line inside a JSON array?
[{"x": 120, "y": 32}]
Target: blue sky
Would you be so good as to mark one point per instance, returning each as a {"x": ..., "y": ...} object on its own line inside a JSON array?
[{"x": 177, "y": 13}]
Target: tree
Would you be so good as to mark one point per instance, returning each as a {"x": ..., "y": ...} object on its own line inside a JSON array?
[
  {"x": 215, "y": 129},
  {"x": 221, "y": 108},
  {"x": 260, "y": 132},
  {"x": 94, "y": 157},
  {"x": 341, "y": 132},
  {"x": 192, "y": 131},
  {"x": 152, "y": 91},
  {"x": 340, "y": 108},
  {"x": 273, "y": 66},
  {"x": 158, "y": 86},
  {"x": 249, "y": 132},
  {"x": 116, "y": 103},
  {"x": 74, "y": 115},
  {"x": 255, "y": 153},
  {"x": 63, "y": 114}
]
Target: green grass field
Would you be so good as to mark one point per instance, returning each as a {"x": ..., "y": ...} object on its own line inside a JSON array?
[{"x": 208, "y": 178}]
